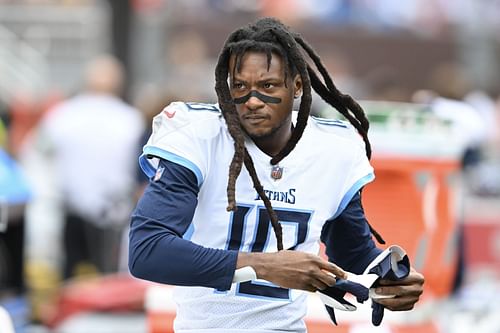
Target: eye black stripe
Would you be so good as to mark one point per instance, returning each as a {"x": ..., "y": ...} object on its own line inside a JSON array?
[{"x": 255, "y": 93}]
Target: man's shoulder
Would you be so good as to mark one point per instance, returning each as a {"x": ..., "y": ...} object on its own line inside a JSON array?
[
  {"x": 200, "y": 119},
  {"x": 335, "y": 131},
  {"x": 191, "y": 111}
]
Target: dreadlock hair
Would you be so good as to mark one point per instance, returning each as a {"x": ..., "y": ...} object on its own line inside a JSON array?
[{"x": 270, "y": 36}]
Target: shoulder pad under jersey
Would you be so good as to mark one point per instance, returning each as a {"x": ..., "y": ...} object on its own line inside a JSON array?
[
  {"x": 202, "y": 119},
  {"x": 338, "y": 127}
]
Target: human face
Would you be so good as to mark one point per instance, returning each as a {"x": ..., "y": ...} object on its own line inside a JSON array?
[{"x": 261, "y": 119}]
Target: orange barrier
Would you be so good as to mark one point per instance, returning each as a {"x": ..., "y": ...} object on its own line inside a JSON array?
[
  {"x": 160, "y": 309},
  {"x": 411, "y": 203},
  {"x": 324, "y": 327},
  {"x": 160, "y": 321},
  {"x": 110, "y": 293}
]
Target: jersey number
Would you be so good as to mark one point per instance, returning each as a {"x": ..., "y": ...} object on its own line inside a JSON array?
[{"x": 298, "y": 220}]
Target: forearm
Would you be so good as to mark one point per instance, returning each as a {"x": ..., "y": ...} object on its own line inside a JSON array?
[
  {"x": 348, "y": 239},
  {"x": 292, "y": 269},
  {"x": 157, "y": 251},
  {"x": 159, "y": 255},
  {"x": 259, "y": 261}
]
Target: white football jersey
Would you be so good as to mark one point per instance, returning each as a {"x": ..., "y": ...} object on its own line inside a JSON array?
[{"x": 313, "y": 183}]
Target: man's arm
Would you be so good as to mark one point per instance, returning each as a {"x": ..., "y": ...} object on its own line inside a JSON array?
[
  {"x": 292, "y": 269},
  {"x": 157, "y": 251},
  {"x": 348, "y": 240}
]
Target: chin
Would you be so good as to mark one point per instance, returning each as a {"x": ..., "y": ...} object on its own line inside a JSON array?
[{"x": 258, "y": 133}]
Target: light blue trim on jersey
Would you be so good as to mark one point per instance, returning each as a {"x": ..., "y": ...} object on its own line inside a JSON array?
[
  {"x": 350, "y": 194},
  {"x": 146, "y": 167},
  {"x": 220, "y": 291},
  {"x": 332, "y": 122},
  {"x": 155, "y": 151},
  {"x": 189, "y": 232}
]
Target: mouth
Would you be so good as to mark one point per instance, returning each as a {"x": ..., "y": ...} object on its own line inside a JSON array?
[{"x": 255, "y": 119}]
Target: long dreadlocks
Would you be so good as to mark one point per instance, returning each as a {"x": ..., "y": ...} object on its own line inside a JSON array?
[{"x": 270, "y": 36}]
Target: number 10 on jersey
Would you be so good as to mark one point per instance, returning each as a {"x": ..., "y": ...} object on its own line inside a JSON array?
[{"x": 297, "y": 220}]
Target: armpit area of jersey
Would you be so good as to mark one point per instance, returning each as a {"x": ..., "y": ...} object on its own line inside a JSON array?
[{"x": 391, "y": 264}]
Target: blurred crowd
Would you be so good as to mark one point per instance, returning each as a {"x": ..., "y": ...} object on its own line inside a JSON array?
[
  {"x": 69, "y": 175},
  {"x": 429, "y": 17}
]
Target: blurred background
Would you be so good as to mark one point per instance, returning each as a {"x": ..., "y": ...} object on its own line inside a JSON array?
[{"x": 80, "y": 81}]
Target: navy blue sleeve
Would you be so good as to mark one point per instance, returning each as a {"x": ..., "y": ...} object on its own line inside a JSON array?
[
  {"x": 157, "y": 251},
  {"x": 348, "y": 239}
]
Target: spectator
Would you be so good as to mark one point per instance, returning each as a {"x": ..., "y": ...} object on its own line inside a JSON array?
[{"x": 91, "y": 140}]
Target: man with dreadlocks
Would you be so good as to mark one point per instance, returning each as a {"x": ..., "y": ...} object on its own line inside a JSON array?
[{"x": 215, "y": 234}]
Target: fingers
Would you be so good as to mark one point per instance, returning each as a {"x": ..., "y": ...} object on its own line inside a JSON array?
[
  {"x": 410, "y": 286},
  {"x": 327, "y": 274},
  {"x": 320, "y": 275},
  {"x": 318, "y": 278},
  {"x": 405, "y": 296},
  {"x": 332, "y": 268},
  {"x": 413, "y": 278},
  {"x": 299, "y": 270},
  {"x": 400, "y": 291},
  {"x": 325, "y": 279},
  {"x": 315, "y": 281},
  {"x": 407, "y": 292},
  {"x": 397, "y": 303},
  {"x": 320, "y": 285}
]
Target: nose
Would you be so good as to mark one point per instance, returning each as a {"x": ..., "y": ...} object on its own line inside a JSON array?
[{"x": 254, "y": 103}]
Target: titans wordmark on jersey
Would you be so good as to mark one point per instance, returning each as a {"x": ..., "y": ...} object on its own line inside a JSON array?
[{"x": 318, "y": 178}]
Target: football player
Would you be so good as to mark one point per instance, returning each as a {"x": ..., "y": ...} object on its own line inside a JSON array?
[{"x": 250, "y": 186}]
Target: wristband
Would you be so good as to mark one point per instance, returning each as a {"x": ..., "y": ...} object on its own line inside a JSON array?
[{"x": 243, "y": 274}]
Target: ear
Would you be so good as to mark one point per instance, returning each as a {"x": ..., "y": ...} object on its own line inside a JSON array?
[{"x": 297, "y": 86}]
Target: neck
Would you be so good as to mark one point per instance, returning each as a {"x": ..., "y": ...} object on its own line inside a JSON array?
[{"x": 273, "y": 143}]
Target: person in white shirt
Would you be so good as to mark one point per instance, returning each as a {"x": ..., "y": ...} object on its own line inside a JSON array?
[{"x": 91, "y": 139}]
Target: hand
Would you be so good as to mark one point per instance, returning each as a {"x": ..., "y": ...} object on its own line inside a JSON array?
[
  {"x": 292, "y": 269},
  {"x": 407, "y": 291}
]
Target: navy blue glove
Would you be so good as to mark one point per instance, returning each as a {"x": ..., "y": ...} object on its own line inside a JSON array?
[
  {"x": 335, "y": 294},
  {"x": 389, "y": 271},
  {"x": 392, "y": 264}
]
